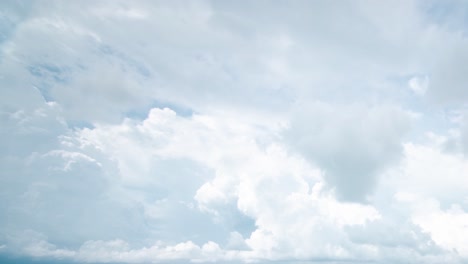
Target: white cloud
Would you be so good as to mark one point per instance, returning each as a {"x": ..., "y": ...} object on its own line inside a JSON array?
[
  {"x": 419, "y": 84},
  {"x": 215, "y": 132},
  {"x": 443, "y": 179},
  {"x": 448, "y": 228}
]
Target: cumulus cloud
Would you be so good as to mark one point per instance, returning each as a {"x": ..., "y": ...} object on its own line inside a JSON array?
[{"x": 140, "y": 132}]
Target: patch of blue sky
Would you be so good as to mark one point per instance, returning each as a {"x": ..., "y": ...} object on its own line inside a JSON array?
[
  {"x": 46, "y": 75},
  {"x": 242, "y": 223},
  {"x": 452, "y": 14},
  {"x": 131, "y": 62},
  {"x": 6, "y": 29},
  {"x": 47, "y": 71}
]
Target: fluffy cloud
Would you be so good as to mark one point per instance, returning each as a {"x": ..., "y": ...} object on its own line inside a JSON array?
[
  {"x": 291, "y": 208},
  {"x": 210, "y": 132},
  {"x": 141, "y": 163}
]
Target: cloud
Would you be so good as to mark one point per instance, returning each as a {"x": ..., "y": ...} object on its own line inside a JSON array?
[
  {"x": 433, "y": 196},
  {"x": 252, "y": 182},
  {"x": 353, "y": 144},
  {"x": 293, "y": 214},
  {"x": 447, "y": 227},
  {"x": 419, "y": 85},
  {"x": 430, "y": 181},
  {"x": 212, "y": 131},
  {"x": 448, "y": 79}
]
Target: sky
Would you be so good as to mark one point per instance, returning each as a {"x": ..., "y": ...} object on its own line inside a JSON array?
[{"x": 285, "y": 132}]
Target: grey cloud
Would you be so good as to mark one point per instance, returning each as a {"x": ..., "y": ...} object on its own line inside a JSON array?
[
  {"x": 235, "y": 56},
  {"x": 80, "y": 60},
  {"x": 387, "y": 234},
  {"x": 448, "y": 79},
  {"x": 352, "y": 144}
]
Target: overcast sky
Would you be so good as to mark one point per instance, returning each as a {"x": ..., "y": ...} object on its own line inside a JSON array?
[{"x": 234, "y": 131}]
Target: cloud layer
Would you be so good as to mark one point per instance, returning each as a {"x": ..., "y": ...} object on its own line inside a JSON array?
[{"x": 234, "y": 132}]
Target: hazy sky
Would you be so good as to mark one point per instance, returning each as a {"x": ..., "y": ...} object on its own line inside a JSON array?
[{"x": 234, "y": 131}]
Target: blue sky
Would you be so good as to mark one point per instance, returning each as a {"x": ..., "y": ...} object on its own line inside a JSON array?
[{"x": 233, "y": 131}]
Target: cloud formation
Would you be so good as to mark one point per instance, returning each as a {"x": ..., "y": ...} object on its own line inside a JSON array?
[{"x": 213, "y": 131}]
